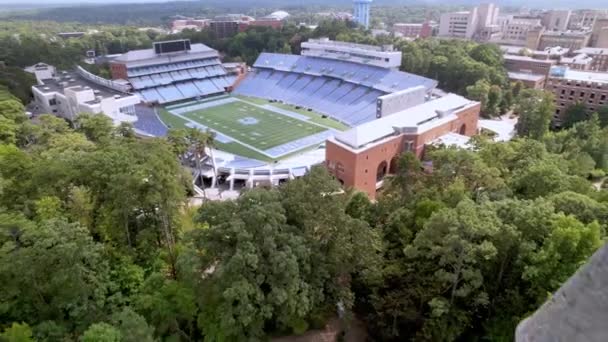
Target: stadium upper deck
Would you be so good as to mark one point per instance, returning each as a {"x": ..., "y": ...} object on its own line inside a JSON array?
[
  {"x": 345, "y": 90},
  {"x": 173, "y": 71}
]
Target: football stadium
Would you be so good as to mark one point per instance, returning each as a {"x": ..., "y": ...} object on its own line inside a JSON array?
[{"x": 274, "y": 120}]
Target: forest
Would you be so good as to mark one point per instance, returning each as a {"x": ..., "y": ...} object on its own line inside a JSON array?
[{"x": 98, "y": 241}]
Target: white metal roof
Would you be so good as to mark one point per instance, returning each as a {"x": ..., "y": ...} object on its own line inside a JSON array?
[
  {"x": 145, "y": 54},
  {"x": 414, "y": 120},
  {"x": 525, "y": 76}
]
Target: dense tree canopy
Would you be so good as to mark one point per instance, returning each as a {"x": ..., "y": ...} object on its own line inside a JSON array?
[{"x": 97, "y": 240}]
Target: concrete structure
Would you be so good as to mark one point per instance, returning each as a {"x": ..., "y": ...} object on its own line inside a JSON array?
[
  {"x": 579, "y": 61},
  {"x": 149, "y": 57},
  {"x": 585, "y": 19},
  {"x": 599, "y": 58},
  {"x": 361, "y": 12},
  {"x": 179, "y": 25},
  {"x": 68, "y": 94},
  {"x": 572, "y": 86},
  {"x": 423, "y": 30},
  {"x": 540, "y": 39},
  {"x": 41, "y": 71},
  {"x": 599, "y": 33},
  {"x": 556, "y": 20},
  {"x": 226, "y": 26},
  {"x": 534, "y": 81},
  {"x": 383, "y": 56},
  {"x": 277, "y": 15},
  {"x": 515, "y": 30},
  {"x": 362, "y": 156},
  {"x": 524, "y": 64},
  {"x": 458, "y": 24},
  {"x": 479, "y": 23},
  {"x": 577, "y": 311}
]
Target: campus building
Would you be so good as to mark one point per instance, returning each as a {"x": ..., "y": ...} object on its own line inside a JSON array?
[
  {"x": 530, "y": 65},
  {"x": 361, "y": 12},
  {"x": 599, "y": 58},
  {"x": 556, "y": 20},
  {"x": 69, "y": 93},
  {"x": 362, "y": 156},
  {"x": 423, "y": 30},
  {"x": 573, "y": 86},
  {"x": 479, "y": 21}
]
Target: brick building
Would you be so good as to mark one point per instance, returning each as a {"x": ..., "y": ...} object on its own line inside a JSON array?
[
  {"x": 525, "y": 64},
  {"x": 362, "y": 156},
  {"x": 534, "y": 81},
  {"x": 423, "y": 30},
  {"x": 573, "y": 86},
  {"x": 599, "y": 58}
]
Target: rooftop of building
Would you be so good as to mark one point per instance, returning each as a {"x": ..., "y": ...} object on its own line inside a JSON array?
[
  {"x": 593, "y": 51},
  {"x": 528, "y": 59},
  {"x": 524, "y": 76},
  {"x": 414, "y": 120},
  {"x": 149, "y": 55},
  {"x": 73, "y": 81},
  {"x": 572, "y": 34},
  {"x": 328, "y": 42},
  {"x": 577, "y": 75},
  {"x": 581, "y": 59}
]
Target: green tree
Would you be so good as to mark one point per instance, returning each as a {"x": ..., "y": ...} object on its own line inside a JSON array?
[
  {"x": 575, "y": 113},
  {"x": 132, "y": 327},
  {"x": 263, "y": 275},
  {"x": 535, "y": 109},
  {"x": 17, "y": 333},
  {"x": 52, "y": 271},
  {"x": 568, "y": 246},
  {"x": 101, "y": 332}
]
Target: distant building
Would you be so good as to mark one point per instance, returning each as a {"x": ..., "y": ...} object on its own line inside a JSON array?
[
  {"x": 556, "y": 20},
  {"x": 179, "y": 25},
  {"x": 66, "y": 35},
  {"x": 599, "y": 58},
  {"x": 68, "y": 94},
  {"x": 534, "y": 81},
  {"x": 599, "y": 33},
  {"x": 361, "y": 12},
  {"x": 585, "y": 19},
  {"x": 539, "y": 39},
  {"x": 579, "y": 61},
  {"x": 278, "y": 15},
  {"x": 572, "y": 86},
  {"x": 515, "y": 29},
  {"x": 226, "y": 26},
  {"x": 525, "y": 64},
  {"x": 479, "y": 22},
  {"x": 423, "y": 30}
]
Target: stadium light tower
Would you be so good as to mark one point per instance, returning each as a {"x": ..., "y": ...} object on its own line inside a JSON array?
[{"x": 361, "y": 12}]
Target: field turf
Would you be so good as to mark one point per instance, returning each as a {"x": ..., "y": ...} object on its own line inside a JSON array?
[{"x": 253, "y": 125}]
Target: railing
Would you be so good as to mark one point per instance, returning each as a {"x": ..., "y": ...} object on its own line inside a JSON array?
[{"x": 102, "y": 81}]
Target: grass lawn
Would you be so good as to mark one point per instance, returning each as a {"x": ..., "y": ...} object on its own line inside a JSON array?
[
  {"x": 233, "y": 147},
  {"x": 254, "y": 126},
  {"x": 314, "y": 116}
]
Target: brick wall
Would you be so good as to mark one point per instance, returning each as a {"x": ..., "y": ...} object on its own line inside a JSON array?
[
  {"x": 118, "y": 71},
  {"x": 360, "y": 170}
]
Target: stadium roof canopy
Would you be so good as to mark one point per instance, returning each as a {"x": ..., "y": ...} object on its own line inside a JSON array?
[{"x": 414, "y": 120}]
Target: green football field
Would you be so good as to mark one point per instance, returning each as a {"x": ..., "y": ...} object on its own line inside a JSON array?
[{"x": 255, "y": 126}]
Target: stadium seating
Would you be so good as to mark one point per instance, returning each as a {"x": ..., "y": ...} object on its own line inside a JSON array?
[
  {"x": 346, "y": 91},
  {"x": 180, "y": 80},
  {"x": 147, "y": 122}
]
